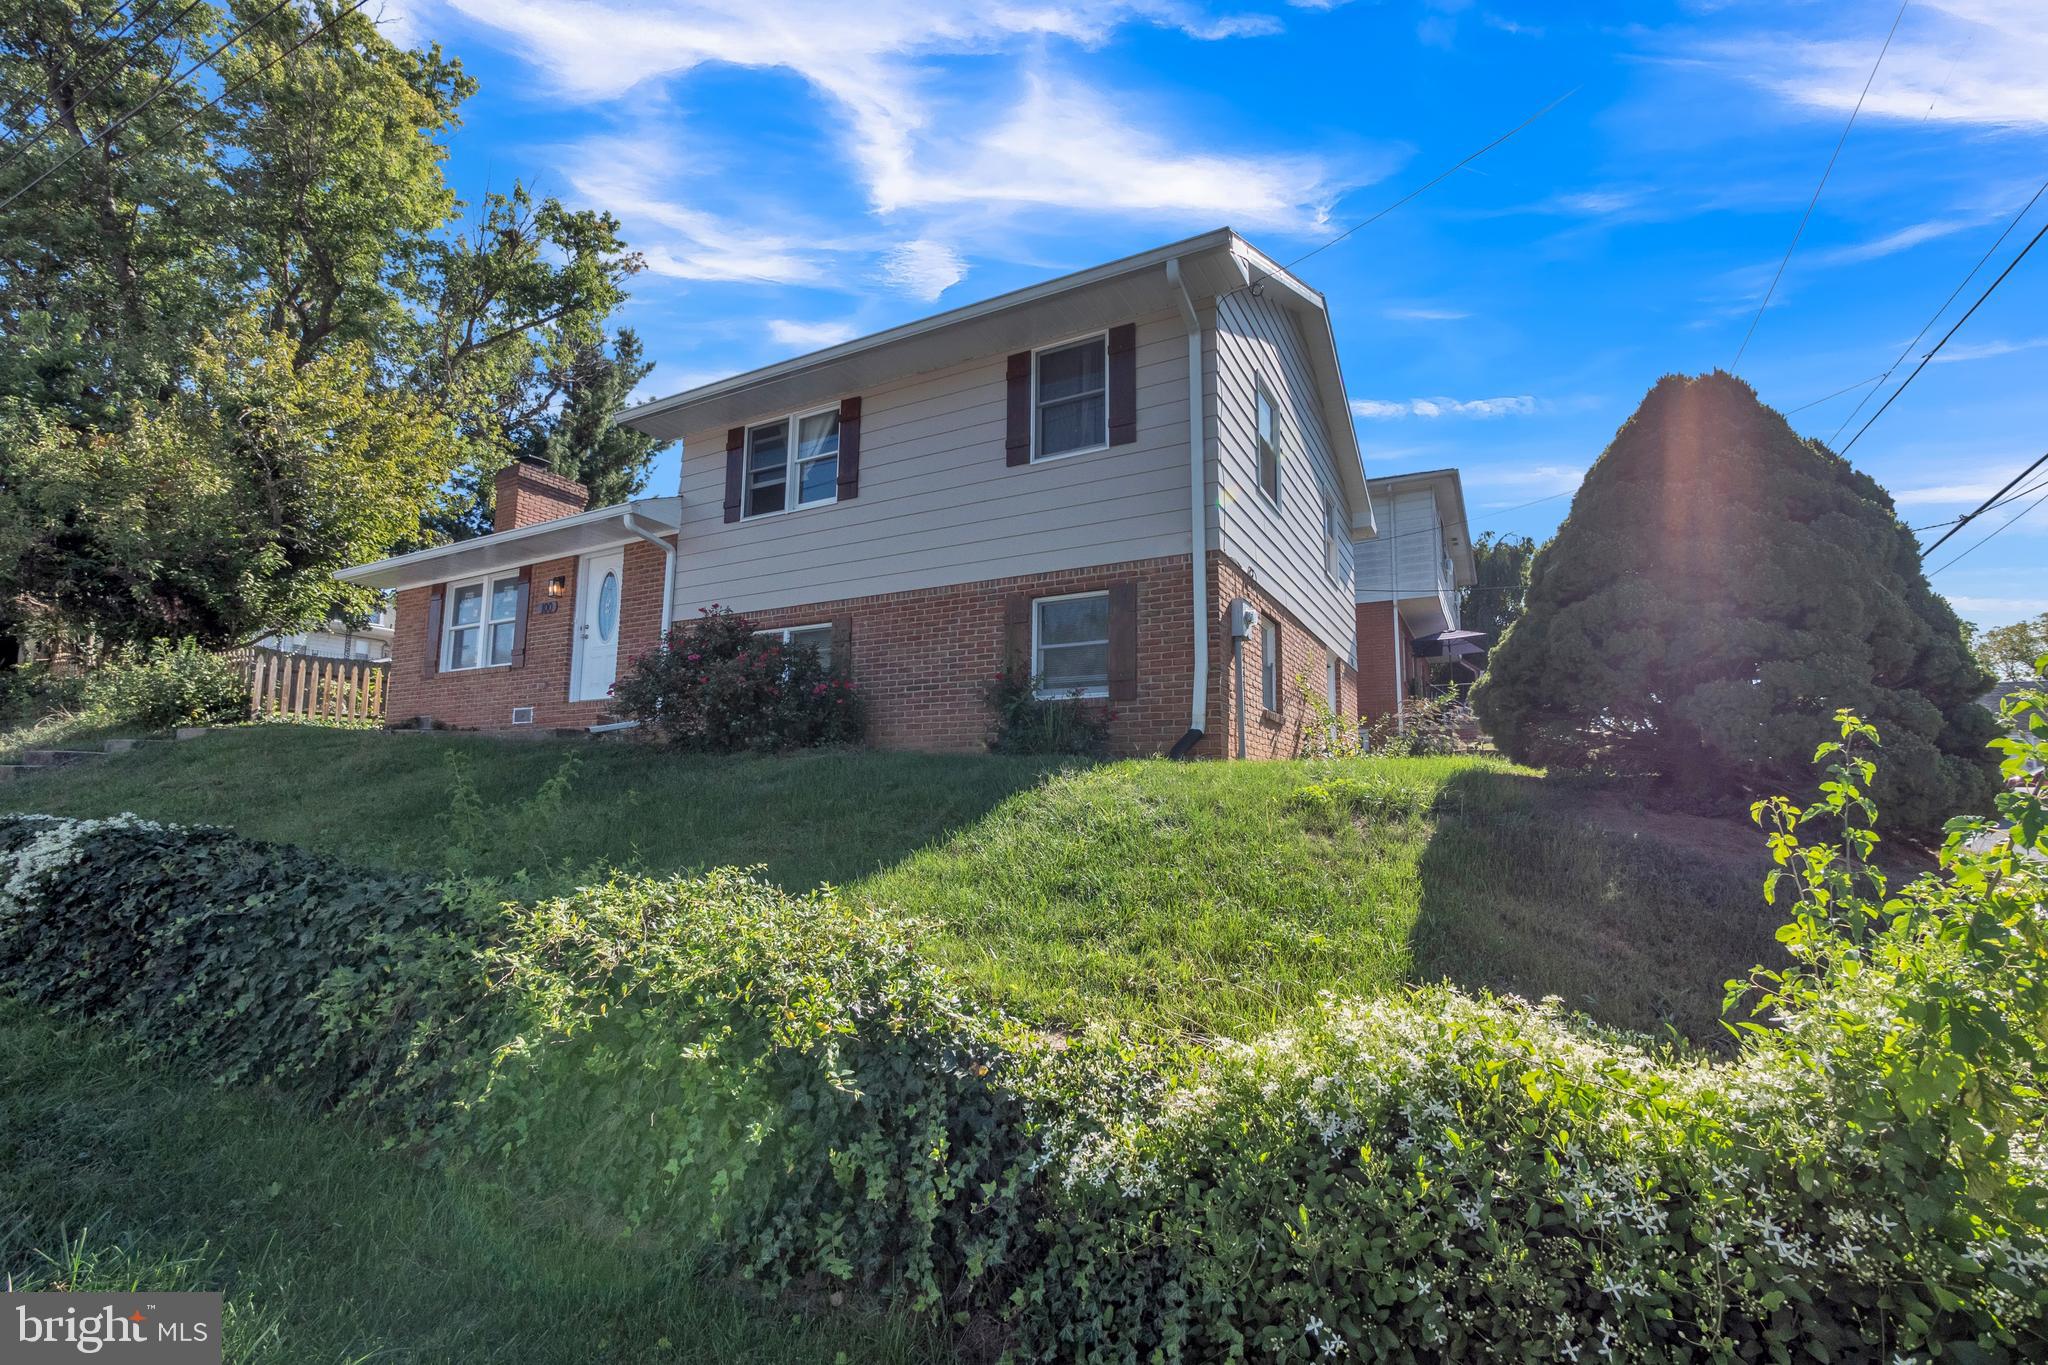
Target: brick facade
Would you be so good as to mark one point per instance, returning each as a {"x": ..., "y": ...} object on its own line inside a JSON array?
[
  {"x": 1383, "y": 674},
  {"x": 483, "y": 698},
  {"x": 922, "y": 658}
]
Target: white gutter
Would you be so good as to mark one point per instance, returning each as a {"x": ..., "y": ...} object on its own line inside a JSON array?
[
  {"x": 668, "y": 567},
  {"x": 1198, "y": 494}
]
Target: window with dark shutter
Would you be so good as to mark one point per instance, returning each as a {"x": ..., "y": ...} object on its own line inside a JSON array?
[
  {"x": 1123, "y": 384},
  {"x": 735, "y": 470},
  {"x": 1017, "y": 428},
  {"x": 435, "y": 602},
  {"x": 1123, "y": 640},
  {"x": 849, "y": 448},
  {"x": 524, "y": 595}
]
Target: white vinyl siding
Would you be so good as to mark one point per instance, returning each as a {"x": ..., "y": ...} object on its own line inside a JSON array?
[
  {"x": 1258, "y": 342},
  {"x": 1407, "y": 559},
  {"x": 939, "y": 505}
]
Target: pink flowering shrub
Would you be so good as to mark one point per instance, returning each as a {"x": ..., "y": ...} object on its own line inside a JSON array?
[{"x": 718, "y": 687}]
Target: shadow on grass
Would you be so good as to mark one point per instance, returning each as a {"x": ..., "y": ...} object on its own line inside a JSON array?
[{"x": 1541, "y": 886}]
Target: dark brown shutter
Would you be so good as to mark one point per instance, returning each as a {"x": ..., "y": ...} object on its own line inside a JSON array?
[
  {"x": 519, "y": 617},
  {"x": 842, "y": 642},
  {"x": 849, "y": 448},
  {"x": 1017, "y": 634},
  {"x": 1123, "y": 384},
  {"x": 1017, "y": 432},
  {"x": 1123, "y": 640},
  {"x": 433, "y": 659},
  {"x": 735, "y": 470}
]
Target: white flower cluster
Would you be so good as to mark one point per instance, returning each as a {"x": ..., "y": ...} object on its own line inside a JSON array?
[{"x": 57, "y": 844}]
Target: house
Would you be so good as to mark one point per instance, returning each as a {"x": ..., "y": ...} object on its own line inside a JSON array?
[
  {"x": 337, "y": 639},
  {"x": 1408, "y": 575},
  {"x": 1012, "y": 484}
]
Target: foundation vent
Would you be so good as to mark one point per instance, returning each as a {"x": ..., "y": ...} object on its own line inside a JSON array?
[{"x": 522, "y": 715}]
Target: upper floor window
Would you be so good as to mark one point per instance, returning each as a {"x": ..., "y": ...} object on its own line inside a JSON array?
[
  {"x": 1333, "y": 538},
  {"x": 793, "y": 462},
  {"x": 1268, "y": 420},
  {"x": 483, "y": 623},
  {"x": 1071, "y": 406},
  {"x": 1070, "y": 644}
]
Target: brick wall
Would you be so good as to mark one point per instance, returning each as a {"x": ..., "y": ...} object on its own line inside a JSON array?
[
  {"x": 483, "y": 698},
  {"x": 1381, "y": 671},
  {"x": 1304, "y": 659},
  {"x": 924, "y": 657}
]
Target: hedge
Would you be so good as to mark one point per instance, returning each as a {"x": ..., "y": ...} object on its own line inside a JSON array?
[{"x": 1432, "y": 1177}]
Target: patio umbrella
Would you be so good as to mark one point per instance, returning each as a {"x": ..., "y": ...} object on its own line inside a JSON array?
[{"x": 1450, "y": 644}]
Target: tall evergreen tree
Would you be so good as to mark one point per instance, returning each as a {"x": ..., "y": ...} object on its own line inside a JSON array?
[
  {"x": 1720, "y": 587},
  {"x": 1500, "y": 585}
]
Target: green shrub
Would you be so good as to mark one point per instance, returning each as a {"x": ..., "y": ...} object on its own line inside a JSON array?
[
  {"x": 169, "y": 685},
  {"x": 1426, "y": 1178},
  {"x": 717, "y": 687},
  {"x": 31, "y": 692},
  {"x": 1025, "y": 720}
]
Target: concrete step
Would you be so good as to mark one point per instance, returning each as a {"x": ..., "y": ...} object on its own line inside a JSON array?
[{"x": 60, "y": 758}]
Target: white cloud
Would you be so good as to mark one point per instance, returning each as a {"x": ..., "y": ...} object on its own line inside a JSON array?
[
  {"x": 1059, "y": 143},
  {"x": 1953, "y": 61},
  {"x": 1891, "y": 243},
  {"x": 1380, "y": 409},
  {"x": 1971, "y": 492},
  {"x": 810, "y": 336},
  {"x": 1985, "y": 350},
  {"x": 1426, "y": 314},
  {"x": 635, "y": 178},
  {"x": 1988, "y": 612},
  {"x": 923, "y": 269}
]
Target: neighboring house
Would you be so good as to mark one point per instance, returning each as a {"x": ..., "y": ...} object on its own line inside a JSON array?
[
  {"x": 1015, "y": 483},
  {"x": 339, "y": 640},
  {"x": 1408, "y": 576}
]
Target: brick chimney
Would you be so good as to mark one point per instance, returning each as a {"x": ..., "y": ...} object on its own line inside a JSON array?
[{"x": 528, "y": 493}]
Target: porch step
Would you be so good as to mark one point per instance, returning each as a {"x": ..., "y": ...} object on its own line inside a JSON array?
[{"x": 60, "y": 758}]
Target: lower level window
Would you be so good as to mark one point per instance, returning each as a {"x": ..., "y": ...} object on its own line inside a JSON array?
[
  {"x": 483, "y": 623},
  {"x": 1070, "y": 645},
  {"x": 803, "y": 637},
  {"x": 1269, "y": 665}
]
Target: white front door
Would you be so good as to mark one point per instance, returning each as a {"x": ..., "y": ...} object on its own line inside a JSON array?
[{"x": 598, "y": 589}]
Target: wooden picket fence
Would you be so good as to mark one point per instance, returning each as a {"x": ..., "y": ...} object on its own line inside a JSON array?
[{"x": 283, "y": 684}]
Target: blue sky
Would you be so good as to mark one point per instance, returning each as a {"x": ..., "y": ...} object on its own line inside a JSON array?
[{"x": 801, "y": 171}]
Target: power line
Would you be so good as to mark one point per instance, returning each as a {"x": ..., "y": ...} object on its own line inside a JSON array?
[
  {"x": 1993, "y": 533},
  {"x": 1836, "y": 394},
  {"x": 99, "y": 139},
  {"x": 2026, "y": 492},
  {"x": 1925, "y": 326},
  {"x": 1945, "y": 337},
  {"x": 29, "y": 140},
  {"x": 1416, "y": 192},
  {"x": 1985, "y": 505},
  {"x": 1825, "y": 173}
]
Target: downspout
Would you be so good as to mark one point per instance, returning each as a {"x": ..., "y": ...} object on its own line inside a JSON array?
[
  {"x": 668, "y": 567},
  {"x": 1198, "y": 518}
]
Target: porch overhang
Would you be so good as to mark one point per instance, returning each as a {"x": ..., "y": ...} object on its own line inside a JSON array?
[{"x": 598, "y": 529}]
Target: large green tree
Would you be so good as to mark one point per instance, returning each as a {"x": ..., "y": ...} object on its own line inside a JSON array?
[
  {"x": 1719, "y": 588},
  {"x": 177, "y": 237},
  {"x": 2014, "y": 651},
  {"x": 1500, "y": 584}
]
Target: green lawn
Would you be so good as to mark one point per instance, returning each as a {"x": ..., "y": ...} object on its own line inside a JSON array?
[
  {"x": 114, "y": 1176},
  {"x": 1183, "y": 896}
]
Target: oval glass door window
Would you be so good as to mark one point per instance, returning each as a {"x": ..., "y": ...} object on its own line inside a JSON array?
[{"x": 607, "y": 606}]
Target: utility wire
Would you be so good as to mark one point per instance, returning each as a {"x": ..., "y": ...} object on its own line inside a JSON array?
[
  {"x": 99, "y": 139},
  {"x": 1836, "y": 394},
  {"x": 1825, "y": 173},
  {"x": 21, "y": 104},
  {"x": 2026, "y": 492},
  {"x": 1985, "y": 505},
  {"x": 1993, "y": 533},
  {"x": 1416, "y": 192},
  {"x": 1926, "y": 326},
  {"x": 29, "y": 140},
  {"x": 1945, "y": 338}
]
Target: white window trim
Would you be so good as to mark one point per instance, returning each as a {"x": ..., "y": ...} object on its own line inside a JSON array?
[
  {"x": 1261, "y": 391},
  {"x": 1269, "y": 664},
  {"x": 782, "y": 633},
  {"x": 1064, "y": 693},
  {"x": 1038, "y": 456},
  {"x": 1333, "y": 539},
  {"x": 792, "y": 423},
  {"x": 482, "y": 627}
]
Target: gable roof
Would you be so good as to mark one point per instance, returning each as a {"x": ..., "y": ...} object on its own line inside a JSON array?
[
  {"x": 1212, "y": 263},
  {"x": 1449, "y": 491}
]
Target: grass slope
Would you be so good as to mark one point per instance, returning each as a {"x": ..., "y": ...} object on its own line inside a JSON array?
[
  {"x": 114, "y": 1176},
  {"x": 1195, "y": 897}
]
